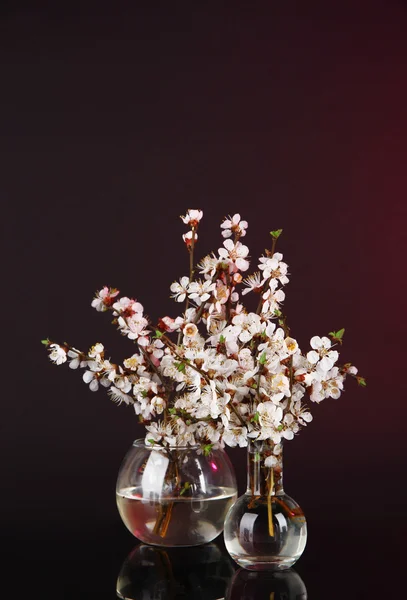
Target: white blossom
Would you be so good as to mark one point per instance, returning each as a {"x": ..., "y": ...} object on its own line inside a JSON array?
[
  {"x": 180, "y": 290},
  {"x": 189, "y": 237},
  {"x": 190, "y": 330},
  {"x": 330, "y": 385},
  {"x": 96, "y": 351},
  {"x": 235, "y": 436},
  {"x": 208, "y": 266},
  {"x": 57, "y": 354},
  {"x": 192, "y": 217},
  {"x": 322, "y": 354},
  {"x": 233, "y": 225},
  {"x": 119, "y": 396},
  {"x": 76, "y": 361},
  {"x": 253, "y": 283},
  {"x": 90, "y": 377},
  {"x": 274, "y": 267},
  {"x": 235, "y": 255},
  {"x": 104, "y": 299},
  {"x": 158, "y": 432},
  {"x": 200, "y": 291}
]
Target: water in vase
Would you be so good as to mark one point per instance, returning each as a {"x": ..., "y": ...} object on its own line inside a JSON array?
[{"x": 175, "y": 521}]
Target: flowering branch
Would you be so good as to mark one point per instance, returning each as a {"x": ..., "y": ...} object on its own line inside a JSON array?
[{"x": 233, "y": 374}]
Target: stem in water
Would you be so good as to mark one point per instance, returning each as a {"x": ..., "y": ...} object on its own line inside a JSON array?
[{"x": 269, "y": 507}]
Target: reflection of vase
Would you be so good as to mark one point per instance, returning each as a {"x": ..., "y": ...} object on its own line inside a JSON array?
[
  {"x": 286, "y": 585},
  {"x": 162, "y": 573},
  {"x": 265, "y": 529},
  {"x": 174, "y": 496}
]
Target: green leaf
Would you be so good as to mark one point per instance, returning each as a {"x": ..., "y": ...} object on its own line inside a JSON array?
[
  {"x": 151, "y": 441},
  {"x": 158, "y": 333},
  {"x": 263, "y": 359},
  {"x": 45, "y": 342},
  {"x": 278, "y": 313},
  {"x": 257, "y": 457},
  {"x": 361, "y": 381},
  {"x": 276, "y": 233},
  {"x": 172, "y": 411},
  {"x": 256, "y": 417},
  {"x": 337, "y": 335},
  {"x": 222, "y": 339},
  {"x": 207, "y": 449},
  {"x": 180, "y": 366},
  {"x": 185, "y": 488}
]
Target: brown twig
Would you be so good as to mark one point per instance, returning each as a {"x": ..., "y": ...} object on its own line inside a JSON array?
[{"x": 267, "y": 282}]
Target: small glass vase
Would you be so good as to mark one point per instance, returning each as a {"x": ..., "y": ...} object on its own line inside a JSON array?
[
  {"x": 174, "y": 496},
  {"x": 265, "y": 529}
]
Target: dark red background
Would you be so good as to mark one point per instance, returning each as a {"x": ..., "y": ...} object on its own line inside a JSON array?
[{"x": 114, "y": 121}]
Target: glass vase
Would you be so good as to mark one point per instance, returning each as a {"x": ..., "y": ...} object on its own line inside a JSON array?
[
  {"x": 265, "y": 529},
  {"x": 175, "y": 496}
]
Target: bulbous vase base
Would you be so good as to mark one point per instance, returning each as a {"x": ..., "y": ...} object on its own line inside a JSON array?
[
  {"x": 174, "y": 496},
  {"x": 265, "y": 533}
]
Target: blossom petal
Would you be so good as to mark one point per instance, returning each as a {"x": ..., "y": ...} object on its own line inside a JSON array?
[
  {"x": 242, "y": 264},
  {"x": 316, "y": 342},
  {"x": 229, "y": 245},
  {"x": 94, "y": 385},
  {"x": 313, "y": 357},
  {"x": 87, "y": 376},
  {"x": 326, "y": 364}
]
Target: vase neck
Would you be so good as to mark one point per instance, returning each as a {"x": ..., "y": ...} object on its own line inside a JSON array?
[{"x": 264, "y": 480}]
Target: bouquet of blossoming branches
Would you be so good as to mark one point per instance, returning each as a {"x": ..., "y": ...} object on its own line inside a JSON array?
[{"x": 218, "y": 373}]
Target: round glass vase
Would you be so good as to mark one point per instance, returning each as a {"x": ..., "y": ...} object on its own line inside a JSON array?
[
  {"x": 175, "y": 496},
  {"x": 265, "y": 529}
]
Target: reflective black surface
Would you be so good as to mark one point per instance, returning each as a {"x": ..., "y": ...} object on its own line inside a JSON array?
[{"x": 340, "y": 562}]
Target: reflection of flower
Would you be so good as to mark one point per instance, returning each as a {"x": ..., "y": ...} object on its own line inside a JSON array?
[{"x": 218, "y": 373}]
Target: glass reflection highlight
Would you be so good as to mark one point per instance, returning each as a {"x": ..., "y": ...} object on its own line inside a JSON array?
[
  {"x": 156, "y": 573},
  {"x": 266, "y": 585}
]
